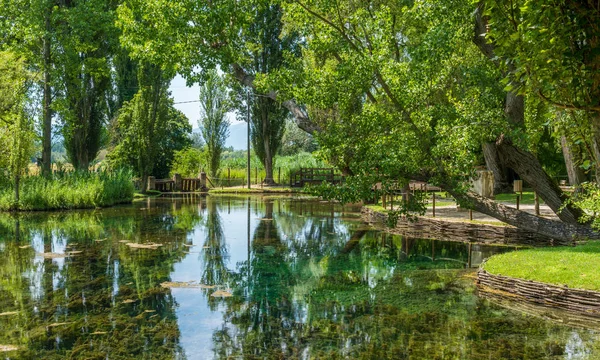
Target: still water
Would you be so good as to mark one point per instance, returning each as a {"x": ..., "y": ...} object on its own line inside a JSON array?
[{"x": 253, "y": 278}]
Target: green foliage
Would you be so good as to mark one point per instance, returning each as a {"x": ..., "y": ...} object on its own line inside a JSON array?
[
  {"x": 214, "y": 126},
  {"x": 88, "y": 37},
  {"x": 76, "y": 190},
  {"x": 588, "y": 198},
  {"x": 149, "y": 129},
  {"x": 236, "y": 162},
  {"x": 561, "y": 266},
  {"x": 188, "y": 162},
  {"x": 266, "y": 47},
  {"x": 295, "y": 140},
  {"x": 16, "y": 125}
]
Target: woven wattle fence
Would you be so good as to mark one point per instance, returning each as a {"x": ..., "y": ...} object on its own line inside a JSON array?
[
  {"x": 428, "y": 228},
  {"x": 498, "y": 287}
]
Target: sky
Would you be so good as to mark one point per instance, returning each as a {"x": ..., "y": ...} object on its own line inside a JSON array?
[{"x": 181, "y": 93}]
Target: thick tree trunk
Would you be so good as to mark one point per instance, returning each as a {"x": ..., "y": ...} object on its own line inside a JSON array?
[
  {"x": 531, "y": 171},
  {"x": 575, "y": 173},
  {"x": 492, "y": 161},
  {"x": 47, "y": 100},
  {"x": 553, "y": 229},
  {"x": 267, "y": 147},
  {"x": 514, "y": 109}
]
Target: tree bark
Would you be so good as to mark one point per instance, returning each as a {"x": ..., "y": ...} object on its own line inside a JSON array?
[
  {"x": 47, "y": 101},
  {"x": 267, "y": 147},
  {"x": 551, "y": 228},
  {"x": 595, "y": 124},
  {"x": 493, "y": 163},
  {"x": 575, "y": 173},
  {"x": 530, "y": 170}
]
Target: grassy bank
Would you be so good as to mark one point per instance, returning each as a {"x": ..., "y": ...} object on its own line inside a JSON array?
[
  {"x": 572, "y": 266},
  {"x": 69, "y": 191},
  {"x": 256, "y": 190}
]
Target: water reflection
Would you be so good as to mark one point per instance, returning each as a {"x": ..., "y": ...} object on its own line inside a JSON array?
[{"x": 307, "y": 279}]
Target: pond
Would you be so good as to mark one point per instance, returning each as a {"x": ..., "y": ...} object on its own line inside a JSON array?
[{"x": 251, "y": 277}]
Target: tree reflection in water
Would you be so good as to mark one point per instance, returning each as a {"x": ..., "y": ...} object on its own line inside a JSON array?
[{"x": 309, "y": 280}]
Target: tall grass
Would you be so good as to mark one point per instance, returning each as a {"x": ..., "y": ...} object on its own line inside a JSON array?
[
  {"x": 234, "y": 165},
  {"x": 75, "y": 190}
]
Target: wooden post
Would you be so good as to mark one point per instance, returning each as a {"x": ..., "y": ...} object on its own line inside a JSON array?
[
  {"x": 433, "y": 204},
  {"x": 202, "y": 181},
  {"x": 177, "y": 182},
  {"x": 151, "y": 183},
  {"x": 229, "y": 177},
  {"x": 256, "y": 175},
  {"x": 518, "y": 200},
  {"x": 279, "y": 175},
  {"x": 471, "y": 214},
  {"x": 537, "y": 203},
  {"x": 470, "y": 249},
  {"x": 383, "y": 201}
]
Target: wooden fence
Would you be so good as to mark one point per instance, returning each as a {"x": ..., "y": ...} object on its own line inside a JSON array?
[
  {"x": 314, "y": 176},
  {"x": 177, "y": 183}
]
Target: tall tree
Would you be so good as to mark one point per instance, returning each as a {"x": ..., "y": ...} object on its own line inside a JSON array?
[
  {"x": 87, "y": 37},
  {"x": 16, "y": 124},
  {"x": 143, "y": 124},
  {"x": 214, "y": 126},
  {"x": 267, "y": 48},
  {"x": 28, "y": 28},
  {"x": 551, "y": 49}
]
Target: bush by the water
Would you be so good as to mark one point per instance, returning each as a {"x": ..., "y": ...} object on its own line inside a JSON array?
[{"x": 75, "y": 190}]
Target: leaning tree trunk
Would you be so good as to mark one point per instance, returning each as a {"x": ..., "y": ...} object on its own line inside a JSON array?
[
  {"x": 530, "y": 170},
  {"x": 492, "y": 161},
  {"x": 523, "y": 220},
  {"x": 575, "y": 173}
]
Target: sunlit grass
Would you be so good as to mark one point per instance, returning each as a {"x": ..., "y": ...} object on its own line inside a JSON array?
[
  {"x": 574, "y": 266},
  {"x": 75, "y": 190},
  {"x": 528, "y": 198}
]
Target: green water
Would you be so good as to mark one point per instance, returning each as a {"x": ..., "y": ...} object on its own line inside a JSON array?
[{"x": 307, "y": 280}]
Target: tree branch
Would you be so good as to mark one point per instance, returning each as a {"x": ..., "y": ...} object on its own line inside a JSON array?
[{"x": 567, "y": 106}]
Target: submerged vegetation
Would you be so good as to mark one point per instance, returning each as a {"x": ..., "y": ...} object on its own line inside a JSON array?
[
  {"x": 230, "y": 277},
  {"x": 77, "y": 190}
]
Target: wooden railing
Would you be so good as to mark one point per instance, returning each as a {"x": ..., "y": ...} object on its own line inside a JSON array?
[
  {"x": 177, "y": 183},
  {"x": 314, "y": 176}
]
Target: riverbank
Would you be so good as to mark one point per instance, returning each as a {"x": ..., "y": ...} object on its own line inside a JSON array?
[
  {"x": 257, "y": 189},
  {"x": 454, "y": 225},
  {"x": 558, "y": 277},
  {"x": 78, "y": 190}
]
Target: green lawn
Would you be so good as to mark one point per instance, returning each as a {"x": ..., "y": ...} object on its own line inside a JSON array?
[
  {"x": 577, "y": 267},
  {"x": 528, "y": 198}
]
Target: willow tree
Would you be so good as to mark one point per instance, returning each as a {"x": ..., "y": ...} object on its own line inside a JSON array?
[{"x": 214, "y": 125}]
